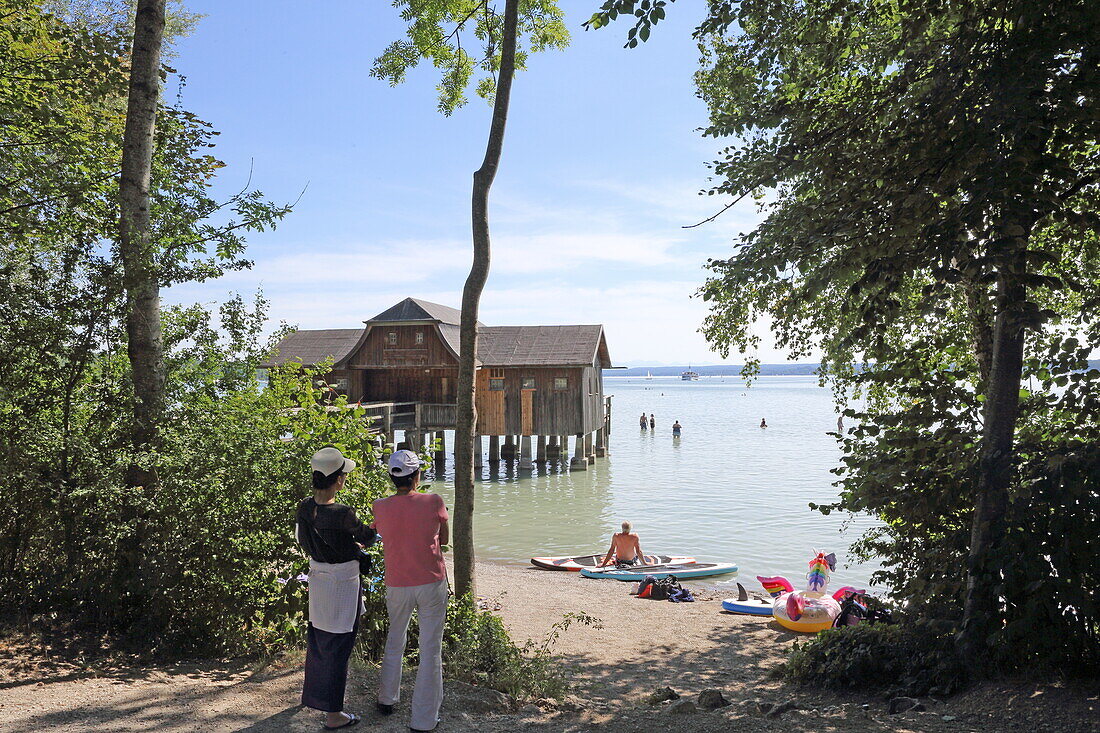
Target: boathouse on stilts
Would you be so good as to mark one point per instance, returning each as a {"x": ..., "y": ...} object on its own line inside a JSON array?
[{"x": 536, "y": 387}]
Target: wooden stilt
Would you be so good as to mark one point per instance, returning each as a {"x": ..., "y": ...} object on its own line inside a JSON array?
[
  {"x": 494, "y": 448},
  {"x": 477, "y": 451},
  {"x": 440, "y": 457},
  {"x": 525, "y": 453},
  {"x": 601, "y": 443},
  {"x": 580, "y": 459},
  {"x": 540, "y": 450}
]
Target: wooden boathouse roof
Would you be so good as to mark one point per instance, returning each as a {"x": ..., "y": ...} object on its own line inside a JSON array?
[
  {"x": 312, "y": 347},
  {"x": 498, "y": 346},
  {"x": 414, "y": 310},
  {"x": 505, "y": 346}
]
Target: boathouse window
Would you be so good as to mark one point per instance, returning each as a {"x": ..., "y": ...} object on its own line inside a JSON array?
[
  {"x": 561, "y": 382},
  {"x": 419, "y": 337},
  {"x": 528, "y": 383},
  {"x": 340, "y": 384},
  {"x": 496, "y": 384},
  {"x": 393, "y": 338}
]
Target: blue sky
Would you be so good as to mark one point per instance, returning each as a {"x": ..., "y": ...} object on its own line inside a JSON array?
[{"x": 602, "y": 167}]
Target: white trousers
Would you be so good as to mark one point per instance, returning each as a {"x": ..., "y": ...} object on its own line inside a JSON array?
[{"x": 430, "y": 602}]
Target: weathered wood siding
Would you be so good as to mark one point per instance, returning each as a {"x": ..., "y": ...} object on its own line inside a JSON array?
[
  {"x": 543, "y": 410},
  {"x": 409, "y": 385},
  {"x": 402, "y": 370},
  {"x": 346, "y": 383},
  {"x": 592, "y": 398},
  {"x": 490, "y": 405},
  {"x": 378, "y": 351}
]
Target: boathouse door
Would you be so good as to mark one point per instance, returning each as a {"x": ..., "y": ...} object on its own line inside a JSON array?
[{"x": 527, "y": 407}]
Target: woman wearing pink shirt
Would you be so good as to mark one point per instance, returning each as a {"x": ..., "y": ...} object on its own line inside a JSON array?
[{"x": 413, "y": 527}]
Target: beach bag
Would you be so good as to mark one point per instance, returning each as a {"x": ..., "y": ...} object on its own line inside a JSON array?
[
  {"x": 852, "y": 611},
  {"x": 681, "y": 595},
  {"x": 645, "y": 588},
  {"x": 663, "y": 588}
]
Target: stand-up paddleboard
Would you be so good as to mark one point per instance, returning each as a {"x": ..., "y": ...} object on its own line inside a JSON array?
[
  {"x": 682, "y": 571},
  {"x": 743, "y": 604},
  {"x": 590, "y": 561}
]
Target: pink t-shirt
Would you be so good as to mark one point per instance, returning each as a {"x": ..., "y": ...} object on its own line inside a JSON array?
[{"x": 409, "y": 526}]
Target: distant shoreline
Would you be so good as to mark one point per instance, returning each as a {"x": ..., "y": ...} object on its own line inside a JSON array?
[
  {"x": 717, "y": 370},
  {"x": 734, "y": 370}
]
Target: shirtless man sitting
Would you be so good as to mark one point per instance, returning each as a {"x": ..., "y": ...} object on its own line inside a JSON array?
[{"x": 625, "y": 547}]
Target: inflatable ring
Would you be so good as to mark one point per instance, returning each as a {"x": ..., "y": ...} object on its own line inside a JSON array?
[{"x": 805, "y": 611}]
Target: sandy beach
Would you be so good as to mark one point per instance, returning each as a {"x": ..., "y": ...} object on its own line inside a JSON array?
[{"x": 641, "y": 645}]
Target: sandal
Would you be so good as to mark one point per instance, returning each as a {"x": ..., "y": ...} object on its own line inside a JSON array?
[{"x": 353, "y": 719}]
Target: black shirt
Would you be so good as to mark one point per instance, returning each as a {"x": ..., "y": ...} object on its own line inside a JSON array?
[{"x": 339, "y": 531}]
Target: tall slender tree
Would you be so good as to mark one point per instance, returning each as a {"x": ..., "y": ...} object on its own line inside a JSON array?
[
  {"x": 466, "y": 418},
  {"x": 135, "y": 245},
  {"x": 433, "y": 27}
]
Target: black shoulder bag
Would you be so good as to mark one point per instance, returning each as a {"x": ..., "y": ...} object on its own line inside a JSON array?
[{"x": 362, "y": 556}]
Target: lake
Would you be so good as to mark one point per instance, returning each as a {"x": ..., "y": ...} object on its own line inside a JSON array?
[{"x": 726, "y": 490}]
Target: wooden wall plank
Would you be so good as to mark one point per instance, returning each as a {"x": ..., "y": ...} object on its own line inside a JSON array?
[{"x": 377, "y": 350}]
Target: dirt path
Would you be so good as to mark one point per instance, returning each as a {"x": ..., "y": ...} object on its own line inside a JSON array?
[{"x": 642, "y": 645}]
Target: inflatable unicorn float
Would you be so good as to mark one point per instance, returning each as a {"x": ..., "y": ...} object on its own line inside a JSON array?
[{"x": 812, "y": 609}]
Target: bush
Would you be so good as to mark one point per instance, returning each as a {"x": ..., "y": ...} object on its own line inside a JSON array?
[
  {"x": 914, "y": 464},
  {"x": 916, "y": 659},
  {"x": 477, "y": 649},
  {"x": 193, "y": 565}
]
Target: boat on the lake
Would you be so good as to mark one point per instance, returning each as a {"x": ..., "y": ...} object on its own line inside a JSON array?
[{"x": 689, "y": 375}]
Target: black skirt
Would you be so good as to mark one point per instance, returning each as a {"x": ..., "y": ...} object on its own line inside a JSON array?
[{"x": 327, "y": 656}]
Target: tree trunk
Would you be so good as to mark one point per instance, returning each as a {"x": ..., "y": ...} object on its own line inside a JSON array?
[
  {"x": 981, "y": 331},
  {"x": 466, "y": 419},
  {"x": 982, "y": 613},
  {"x": 143, "y": 326}
]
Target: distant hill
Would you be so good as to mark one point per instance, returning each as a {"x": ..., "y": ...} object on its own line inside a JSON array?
[{"x": 733, "y": 370}]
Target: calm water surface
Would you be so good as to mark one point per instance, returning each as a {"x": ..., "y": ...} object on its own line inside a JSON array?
[{"x": 726, "y": 490}]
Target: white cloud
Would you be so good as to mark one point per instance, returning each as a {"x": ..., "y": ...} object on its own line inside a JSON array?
[{"x": 620, "y": 259}]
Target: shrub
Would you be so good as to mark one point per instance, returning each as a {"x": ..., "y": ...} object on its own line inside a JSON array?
[
  {"x": 898, "y": 659},
  {"x": 195, "y": 565},
  {"x": 477, "y": 649}
]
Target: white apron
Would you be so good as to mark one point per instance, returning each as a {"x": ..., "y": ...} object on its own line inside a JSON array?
[{"x": 334, "y": 597}]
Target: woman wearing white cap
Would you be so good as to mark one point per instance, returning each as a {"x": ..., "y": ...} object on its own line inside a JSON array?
[{"x": 331, "y": 535}]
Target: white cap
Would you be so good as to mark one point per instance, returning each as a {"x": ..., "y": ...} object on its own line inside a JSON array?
[
  {"x": 329, "y": 461},
  {"x": 404, "y": 462}
]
